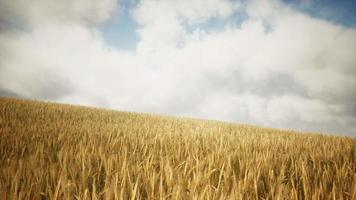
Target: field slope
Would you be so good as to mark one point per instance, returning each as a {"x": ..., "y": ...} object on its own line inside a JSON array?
[{"x": 54, "y": 151}]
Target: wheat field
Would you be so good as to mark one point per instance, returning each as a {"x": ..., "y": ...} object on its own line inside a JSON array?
[{"x": 55, "y": 151}]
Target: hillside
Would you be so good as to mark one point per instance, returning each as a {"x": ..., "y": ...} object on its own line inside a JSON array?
[{"x": 55, "y": 151}]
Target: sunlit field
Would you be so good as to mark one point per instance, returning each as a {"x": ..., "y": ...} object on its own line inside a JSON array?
[{"x": 54, "y": 151}]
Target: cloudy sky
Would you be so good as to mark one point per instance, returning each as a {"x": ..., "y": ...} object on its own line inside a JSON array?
[{"x": 285, "y": 64}]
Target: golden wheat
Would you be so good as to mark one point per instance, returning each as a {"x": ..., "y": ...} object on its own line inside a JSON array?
[{"x": 54, "y": 151}]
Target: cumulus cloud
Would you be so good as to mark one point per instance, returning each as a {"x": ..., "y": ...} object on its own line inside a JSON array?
[
  {"x": 162, "y": 21},
  {"x": 279, "y": 67}
]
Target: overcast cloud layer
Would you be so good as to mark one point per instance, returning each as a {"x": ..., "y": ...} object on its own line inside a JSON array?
[{"x": 278, "y": 68}]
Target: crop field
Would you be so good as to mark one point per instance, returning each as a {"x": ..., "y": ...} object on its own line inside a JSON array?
[{"x": 56, "y": 151}]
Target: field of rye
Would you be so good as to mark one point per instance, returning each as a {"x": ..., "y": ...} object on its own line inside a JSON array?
[{"x": 54, "y": 151}]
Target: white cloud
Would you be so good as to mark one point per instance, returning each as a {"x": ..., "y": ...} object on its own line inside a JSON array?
[
  {"x": 149, "y": 11},
  {"x": 284, "y": 109},
  {"x": 39, "y": 12},
  {"x": 163, "y": 21},
  {"x": 279, "y": 68}
]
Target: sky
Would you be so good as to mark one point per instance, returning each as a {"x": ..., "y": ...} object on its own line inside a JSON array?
[{"x": 274, "y": 63}]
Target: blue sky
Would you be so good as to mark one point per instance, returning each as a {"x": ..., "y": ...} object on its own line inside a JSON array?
[
  {"x": 340, "y": 11},
  {"x": 274, "y": 63},
  {"x": 120, "y": 31}
]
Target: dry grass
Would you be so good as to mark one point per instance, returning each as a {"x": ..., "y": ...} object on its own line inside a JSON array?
[{"x": 52, "y": 151}]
